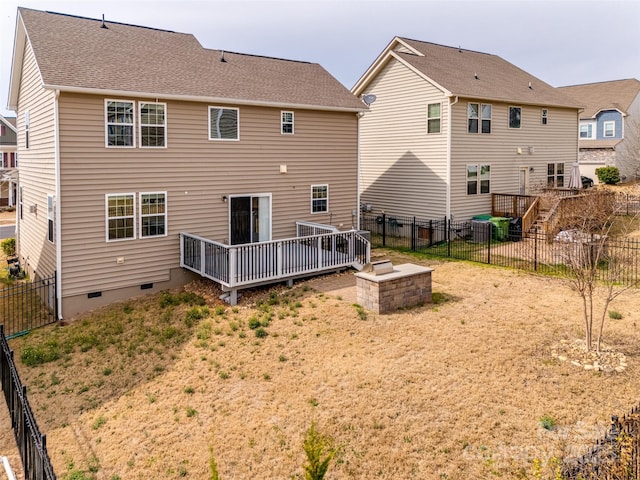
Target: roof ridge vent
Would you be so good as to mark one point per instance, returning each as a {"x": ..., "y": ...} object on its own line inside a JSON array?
[
  {"x": 222, "y": 57},
  {"x": 104, "y": 25}
]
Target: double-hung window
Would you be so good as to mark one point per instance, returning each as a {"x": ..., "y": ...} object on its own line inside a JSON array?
[
  {"x": 609, "y": 129},
  {"x": 119, "y": 123},
  {"x": 515, "y": 117},
  {"x": 153, "y": 124},
  {"x": 224, "y": 123},
  {"x": 544, "y": 119},
  {"x": 586, "y": 130},
  {"x": 478, "y": 179},
  {"x": 479, "y": 118},
  {"x": 286, "y": 123},
  {"x": 121, "y": 214},
  {"x": 433, "y": 118},
  {"x": 319, "y": 198},
  {"x": 555, "y": 175},
  {"x": 51, "y": 215},
  {"x": 153, "y": 214},
  {"x": 27, "y": 121}
]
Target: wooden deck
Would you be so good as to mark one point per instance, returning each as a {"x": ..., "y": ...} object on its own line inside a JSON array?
[{"x": 243, "y": 266}]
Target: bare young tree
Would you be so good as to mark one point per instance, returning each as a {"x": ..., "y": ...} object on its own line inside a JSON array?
[
  {"x": 628, "y": 152},
  {"x": 596, "y": 265}
]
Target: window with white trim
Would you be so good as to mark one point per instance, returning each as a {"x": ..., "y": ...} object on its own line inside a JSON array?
[
  {"x": 20, "y": 203},
  {"x": 586, "y": 130},
  {"x": 319, "y": 198},
  {"x": 479, "y": 118},
  {"x": 555, "y": 175},
  {"x": 153, "y": 124},
  {"x": 433, "y": 117},
  {"x": 119, "y": 120},
  {"x": 609, "y": 129},
  {"x": 120, "y": 216},
  {"x": 478, "y": 179},
  {"x": 286, "y": 123},
  {"x": 51, "y": 215},
  {"x": 515, "y": 117},
  {"x": 153, "y": 214},
  {"x": 223, "y": 123},
  {"x": 544, "y": 119}
]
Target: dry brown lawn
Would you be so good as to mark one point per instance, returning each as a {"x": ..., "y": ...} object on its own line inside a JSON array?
[{"x": 452, "y": 390}]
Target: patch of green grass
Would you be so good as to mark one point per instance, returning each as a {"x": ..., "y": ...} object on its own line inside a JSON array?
[
  {"x": 45, "y": 352},
  {"x": 548, "y": 422},
  {"x": 261, "y": 332},
  {"x": 98, "y": 422},
  {"x": 191, "y": 412},
  {"x": 362, "y": 313},
  {"x": 614, "y": 315}
]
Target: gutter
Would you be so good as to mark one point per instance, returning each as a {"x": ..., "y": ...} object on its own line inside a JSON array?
[
  {"x": 201, "y": 99},
  {"x": 58, "y": 232},
  {"x": 448, "y": 180}
]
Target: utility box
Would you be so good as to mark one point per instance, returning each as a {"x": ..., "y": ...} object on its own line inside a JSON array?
[{"x": 481, "y": 231}]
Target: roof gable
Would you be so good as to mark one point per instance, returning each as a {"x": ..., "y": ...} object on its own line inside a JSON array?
[
  {"x": 81, "y": 54},
  {"x": 613, "y": 95},
  {"x": 467, "y": 73}
]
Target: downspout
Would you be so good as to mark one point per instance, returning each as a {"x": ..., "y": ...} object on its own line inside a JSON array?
[
  {"x": 359, "y": 115},
  {"x": 448, "y": 182},
  {"x": 58, "y": 244}
]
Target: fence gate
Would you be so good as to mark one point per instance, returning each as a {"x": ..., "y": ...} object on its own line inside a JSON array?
[{"x": 28, "y": 305}]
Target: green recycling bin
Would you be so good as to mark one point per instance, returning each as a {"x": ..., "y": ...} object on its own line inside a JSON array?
[{"x": 501, "y": 230}]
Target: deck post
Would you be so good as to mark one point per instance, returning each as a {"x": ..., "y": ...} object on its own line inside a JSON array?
[
  {"x": 279, "y": 259},
  {"x": 203, "y": 259},
  {"x": 319, "y": 250},
  {"x": 233, "y": 268}
]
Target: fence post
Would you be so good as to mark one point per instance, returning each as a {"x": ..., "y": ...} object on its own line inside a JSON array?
[
  {"x": 447, "y": 235},
  {"x": 535, "y": 251},
  {"x": 413, "y": 234},
  {"x": 490, "y": 228},
  {"x": 384, "y": 229}
]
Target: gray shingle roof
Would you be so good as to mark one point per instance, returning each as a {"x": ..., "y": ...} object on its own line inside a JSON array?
[
  {"x": 77, "y": 53},
  {"x": 618, "y": 94},
  {"x": 456, "y": 70}
]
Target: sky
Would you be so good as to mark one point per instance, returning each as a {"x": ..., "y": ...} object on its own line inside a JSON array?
[{"x": 562, "y": 42}]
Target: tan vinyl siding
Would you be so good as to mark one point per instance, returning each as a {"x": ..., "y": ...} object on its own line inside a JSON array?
[
  {"x": 196, "y": 173},
  {"x": 555, "y": 142},
  {"x": 404, "y": 169},
  {"x": 37, "y": 168}
]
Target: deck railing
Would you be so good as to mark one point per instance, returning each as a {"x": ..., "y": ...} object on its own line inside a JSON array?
[{"x": 250, "y": 264}]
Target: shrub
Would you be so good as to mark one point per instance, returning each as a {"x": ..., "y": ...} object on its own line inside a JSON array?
[
  {"x": 547, "y": 422},
  {"x": 9, "y": 246},
  {"x": 38, "y": 354},
  {"x": 608, "y": 175},
  {"x": 319, "y": 451},
  {"x": 613, "y": 315}
]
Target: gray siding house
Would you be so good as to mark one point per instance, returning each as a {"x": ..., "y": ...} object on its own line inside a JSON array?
[
  {"x": 145, "y": 157},
  {"x": 609, "y": 126},
  {"x": 8, "y": 162},
  {"x": 450, "y": 126}
]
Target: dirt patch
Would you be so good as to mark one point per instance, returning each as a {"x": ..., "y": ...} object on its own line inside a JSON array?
[{"x": 451, "y": 390}]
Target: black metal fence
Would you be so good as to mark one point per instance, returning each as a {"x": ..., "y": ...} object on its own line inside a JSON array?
[
  {"x": 500, "y": 241},
  {"x": 614, "y": 457},
  {"x": 28, "y": 305},
  {"x": 628, "y": 204},
  {"x": 31, "y": 443}
]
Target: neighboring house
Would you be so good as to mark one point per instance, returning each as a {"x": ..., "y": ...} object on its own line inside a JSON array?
[
  {"x": 130, "y": 137},
  {"x": 609, "y": 126},
  {"x": 450, "y": 126},
  {"x": 8, "y": 161}
]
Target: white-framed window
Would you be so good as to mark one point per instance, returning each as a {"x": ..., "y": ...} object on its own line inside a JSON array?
[
  {"x": 515, "y": 117},
  {"x": 120, "y": 216},
  {"x": 609, "y": 129},
  {"x": 286, "y": 123},
  {"x": 51, "y": 218},
  {"x": 119, "y": 123},
  {"x": 479, "y": 118},
  {"x": 20, "y": 202},
  {"x": 433, "y": 117},
  {"x": 153, "y": 124},
  {"x": 586, "y": 130},
  {"x": 478, "y": 179},
  {"x": 319, "y": 198},
  {"x": 555, "y": 175},
  {"x": 544, "y": 118},
  {"x": 153, "y": 214},
  {"x": 224, "y": 123},
  {"x": 27, "y": 121}
]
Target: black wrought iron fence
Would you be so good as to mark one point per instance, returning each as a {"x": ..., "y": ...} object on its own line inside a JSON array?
[
  {"x": 614, "y": 457},
  {"x": 31, "y": 443},
  {"x": 501, "y": 241},
  {"x": 28, "y": 304}
]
